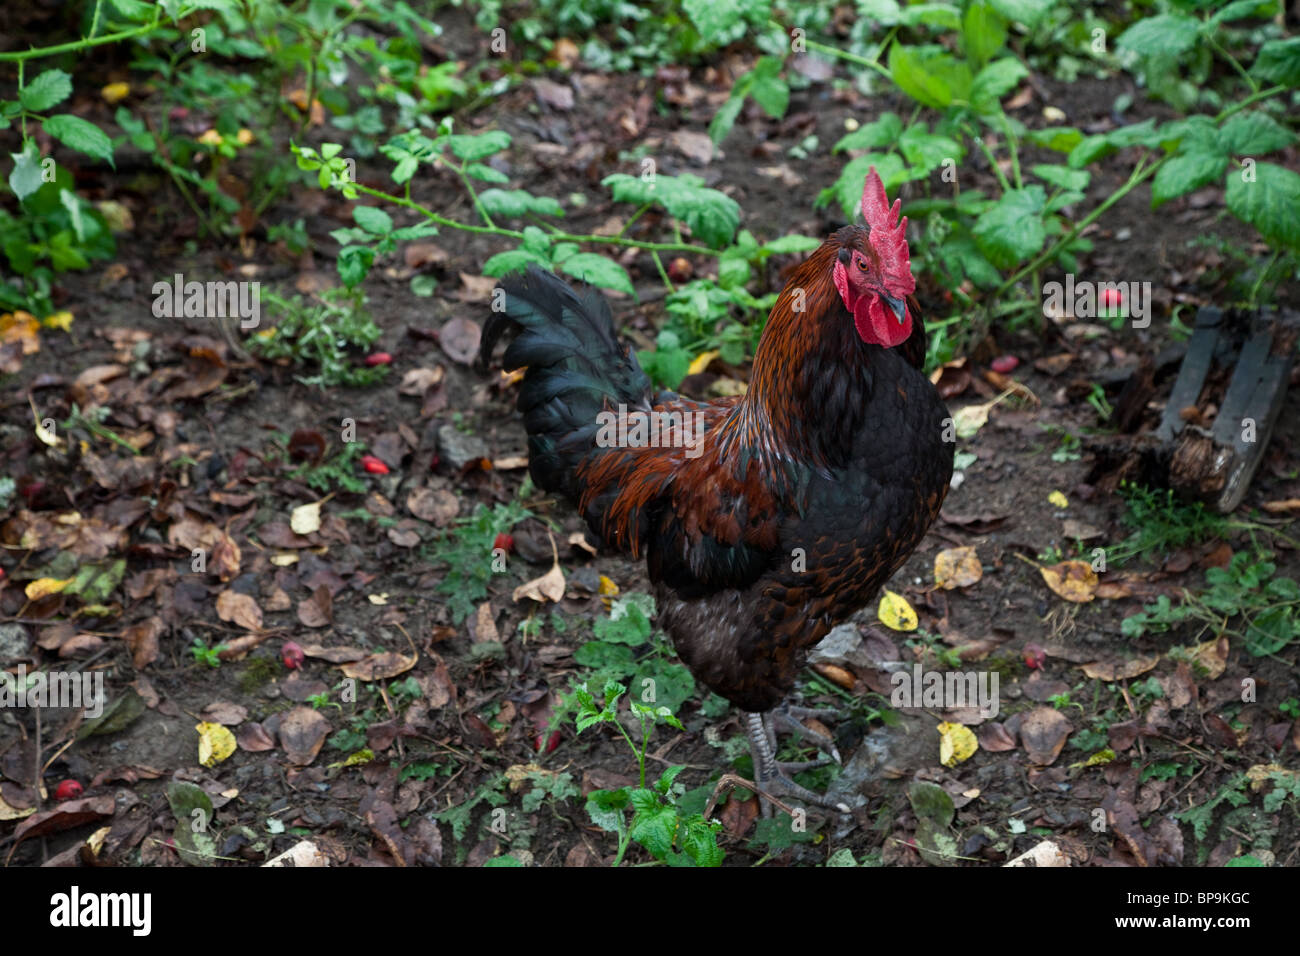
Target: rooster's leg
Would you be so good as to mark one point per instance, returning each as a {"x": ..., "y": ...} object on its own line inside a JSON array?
[
  {"x": 789, "y": 716},
  {"x": 773, "y": 776}
]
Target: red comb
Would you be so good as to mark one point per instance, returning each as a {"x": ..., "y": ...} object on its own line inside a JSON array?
[{"x": 888, "y": 235}]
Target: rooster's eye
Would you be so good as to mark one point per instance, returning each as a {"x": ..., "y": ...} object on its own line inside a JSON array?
[{"x": 862, "y": 264}]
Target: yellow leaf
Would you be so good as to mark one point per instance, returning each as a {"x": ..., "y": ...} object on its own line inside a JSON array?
[
  {"x": 44, "y": 587},
  {"x": 360, "y": 757},
  {"x": 244, "y": 137},
  {"x": 956, "y": 743},
  {"x": 701, "y": 361},
  {"x": 21, "y": 327},
  {"x": 1100, "y": 758},
  {"x": 957, "y": 568},
  {"x": 607, "y": 590},
  {"x": 1058, "y": 499},
  {"x": 216, "y": 743},
  {"x": 305, "y": 519},
  {"x": 115, "y": 92},
  {"x": 14, "y": 813},
  {"x": 1072, "y": 580},
  {"x": 210, "y": 138},
  {"x": 379, "y": 600},
  {"x": 59, "y": 320},
  {"x": 894, "y": 612}
]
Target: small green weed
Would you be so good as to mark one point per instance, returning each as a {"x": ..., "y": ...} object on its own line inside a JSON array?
[
  {"x": 318, "y": 336},
  {"x": 657, "y": 823}
]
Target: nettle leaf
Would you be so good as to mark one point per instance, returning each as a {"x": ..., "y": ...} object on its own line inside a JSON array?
[
  {"x": 1012, "y": 230},
  {"x": 1241, "y": 9},
  {"x": 1165, "y": 34},
  {"x": 1199, "y": 132},
  {"x": 1135, "y": 134},
  {"x": 486, "y": 173},
  {"x": 518, "y": 202},
  {"x": 725, "y": 118},
  {"x": 715, "y": 17},
  {"x": 932, "y": 79},
  {"x": 76, "y": 133},
  {"x": 49, "y": 89},
  {"x": 941, "y": 16},
  {"x": 605, "y": 808},
  {"x": 516, "y": 260},
  {"x": 789, "y": 244},
  {"x": 597, "y": 270},
  {"x": 878, "y": 134},
  {"x": 1255, "y": 133},
  {"x": 478, "y": 146},
  {"x": 1278, "y": 61},
  {"x": 1185, "y": 172},
  {"x": 995, "y": 81},
  {"x": 655, "y": 824},
  {"x": 373, "y": 220},
  {"x": 354, "y": 264},
  {"x": 1062, "y": 177},
  {"x": 711, "y": 215},
  {"x": 1059, "y": 139},
  {"x": 983, "y": 31},
  {"x": 1027, "y": 12},
  {"x": 1268, "y": 203},
  {"x": 927, "y": 151},
  {"x": 770, "y": 91}
]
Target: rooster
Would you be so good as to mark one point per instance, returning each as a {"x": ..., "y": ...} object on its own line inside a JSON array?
[{"x": 802, "y": 497}]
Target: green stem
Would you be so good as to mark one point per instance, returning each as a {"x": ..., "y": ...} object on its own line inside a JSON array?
[
  {"x": 988, "y": 155},
  {"x": 407, "y": 203},
  {"x": 663, "y": 273},
  {"x": 38, "y": 53}
]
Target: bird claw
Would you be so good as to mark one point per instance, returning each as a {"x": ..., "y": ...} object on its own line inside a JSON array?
[{"x": 788, "y": 716}]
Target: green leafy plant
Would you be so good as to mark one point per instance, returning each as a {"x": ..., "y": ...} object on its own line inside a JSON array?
[
  {"x": 656, "y": 823},
  {"x": 206, "y": 655},
  {"x": 466, "y": 550},
  {"x": 1162, "y": 523},
  {"x": 320, "y": 334},
  {"x": 1248, "y": 589}
]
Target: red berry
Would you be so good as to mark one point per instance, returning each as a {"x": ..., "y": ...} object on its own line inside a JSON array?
[
  {"x": 292, "y": 655},
  {"x": 379, "y": 358},
  {"x": 1035, "y": 656},
  {"x": 373, "y": 465},
  {"x": 67, "y": 790},
  {"x": 550, "y": 744},
  {"x": 1005, "y": 364},
  {"x": 1112, "y": 297},
  {"x": 505, "y": 542}
]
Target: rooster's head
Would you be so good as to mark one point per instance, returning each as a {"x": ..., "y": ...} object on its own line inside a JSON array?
[{"x": 872, "y": 271}]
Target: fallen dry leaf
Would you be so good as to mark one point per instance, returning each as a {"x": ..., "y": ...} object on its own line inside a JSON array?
[
  {"x": 302, "y": 733},
  {"x": 379, "y": 666},
  {"x": 1120, "y": 670},
  {"x": 1043, "y": 733},
  {"x": 236, "y": 608},
  {"x": 460, "y": 338},
  {"x": 957, "y": 568},
  {"x": 1073, "y": 580}
]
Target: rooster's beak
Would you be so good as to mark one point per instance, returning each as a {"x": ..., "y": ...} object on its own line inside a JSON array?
[{"x": 897, "y": 306}]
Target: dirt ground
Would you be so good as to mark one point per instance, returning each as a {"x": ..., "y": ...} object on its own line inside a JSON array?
[{"x": 474, "y": 704}]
